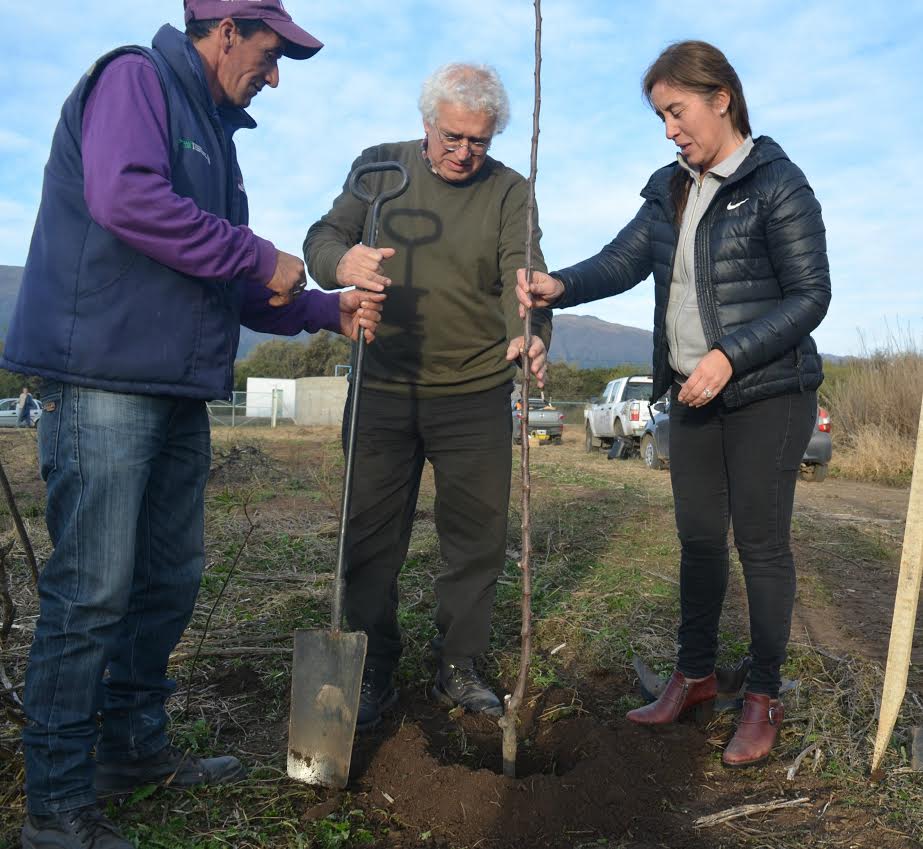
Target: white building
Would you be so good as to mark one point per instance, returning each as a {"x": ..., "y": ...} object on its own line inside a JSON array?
[
  {"x": 308, "y": 401},
  {"x": 259, "y": 397}
]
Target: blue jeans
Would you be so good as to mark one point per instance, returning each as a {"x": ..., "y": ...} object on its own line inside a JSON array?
[
  {"x": 126, "y": 479},
  {"x": 25, "y": 415}
]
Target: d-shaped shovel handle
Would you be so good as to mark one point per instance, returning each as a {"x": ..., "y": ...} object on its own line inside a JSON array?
[
  {"x": 359, "y": 191},
  {"x": 376, "y": 201}
]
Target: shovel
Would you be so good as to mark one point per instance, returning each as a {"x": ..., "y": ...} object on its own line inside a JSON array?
[{"x": 327, "y": 665}]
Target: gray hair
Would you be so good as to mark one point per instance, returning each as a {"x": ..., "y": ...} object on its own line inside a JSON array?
[{"x": 474, "y": 87}]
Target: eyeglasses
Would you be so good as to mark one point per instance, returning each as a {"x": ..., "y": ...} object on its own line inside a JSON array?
[{"x": 476, "y": 147}]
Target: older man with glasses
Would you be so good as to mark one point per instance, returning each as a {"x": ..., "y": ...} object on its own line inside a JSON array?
[{"x": 437, "y": 384}]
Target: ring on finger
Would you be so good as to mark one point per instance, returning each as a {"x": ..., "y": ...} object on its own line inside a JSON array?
[{"x": 707, "y": 393}]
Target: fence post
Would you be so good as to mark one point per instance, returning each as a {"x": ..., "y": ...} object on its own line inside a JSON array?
[
  {"x": 233, "y": 408},
  {"x": 276, "y": 393}
]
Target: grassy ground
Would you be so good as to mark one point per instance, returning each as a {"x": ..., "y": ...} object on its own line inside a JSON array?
[{"x": 605, "y": 588}]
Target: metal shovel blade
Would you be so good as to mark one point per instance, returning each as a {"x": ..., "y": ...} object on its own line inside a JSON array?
[{"x": 326, "y": 680}]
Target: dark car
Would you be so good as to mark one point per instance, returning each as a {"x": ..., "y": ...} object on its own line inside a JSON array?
[{"x": 655, "y": 442}]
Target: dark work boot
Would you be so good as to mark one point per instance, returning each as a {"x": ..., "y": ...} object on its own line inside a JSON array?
[
  {"x": 170, "y": 767},
  {"x": 84, "y": 828},
  {"x": 461, "y": 686},
  {"x": 375, "y": 697},
  {"x": 681, "y": 694}
]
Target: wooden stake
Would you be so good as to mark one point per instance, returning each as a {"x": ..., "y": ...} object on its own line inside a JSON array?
[
  {"x": 509, "y": 720},
  {"x": 905, "y": 609}
]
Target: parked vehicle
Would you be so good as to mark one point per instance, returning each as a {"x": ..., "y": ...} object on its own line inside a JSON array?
[
  {"x": 655, "y": 443},
  {"x": 622, "y": 411},
  {"x": 820, "y": 449},
  {"x": 9, "y": 414},
  {"x": 545, "y": 421}
]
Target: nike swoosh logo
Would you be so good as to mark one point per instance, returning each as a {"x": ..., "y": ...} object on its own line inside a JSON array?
[{"x": 739, "y": 203}]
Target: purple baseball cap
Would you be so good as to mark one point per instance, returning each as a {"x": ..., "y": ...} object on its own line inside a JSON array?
[{"x": 300, "y": 44}]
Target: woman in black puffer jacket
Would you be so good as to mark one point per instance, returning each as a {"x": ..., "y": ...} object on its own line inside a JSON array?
[{"x": 735, "y": 240}]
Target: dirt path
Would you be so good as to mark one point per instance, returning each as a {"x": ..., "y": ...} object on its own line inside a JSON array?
[
  {"x": 849, "y": 585},
  {"x": 851, "y": 501}
]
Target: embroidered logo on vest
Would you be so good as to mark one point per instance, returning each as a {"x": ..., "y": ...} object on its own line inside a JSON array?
[{"x": 188, "y": 144}]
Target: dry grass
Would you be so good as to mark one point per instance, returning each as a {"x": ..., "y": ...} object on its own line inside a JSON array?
[
  {"x": 875, "y": 403},
  {"x": 874, "y": 453}
]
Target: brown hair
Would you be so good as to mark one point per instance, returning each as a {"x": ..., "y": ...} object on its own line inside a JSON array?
[{"x": 699, "y": 67}]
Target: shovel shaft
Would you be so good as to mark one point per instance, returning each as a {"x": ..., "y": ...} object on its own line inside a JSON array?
[{"x": 375, "y": 202}]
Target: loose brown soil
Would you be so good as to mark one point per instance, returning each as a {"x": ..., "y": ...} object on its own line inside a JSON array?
[{"x": 587, "y": 777}]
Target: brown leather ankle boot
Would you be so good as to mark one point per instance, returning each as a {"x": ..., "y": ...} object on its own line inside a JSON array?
[
  {"x": 756, "y": 733},
  {"x": 680, "y": 695}
]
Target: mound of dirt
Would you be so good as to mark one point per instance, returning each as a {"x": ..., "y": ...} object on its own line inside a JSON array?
[
  {"x": 581, "y": 779},
  {"x": 241, "y": 464}
]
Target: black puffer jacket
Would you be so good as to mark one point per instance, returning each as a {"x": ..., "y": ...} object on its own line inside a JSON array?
[{"x": 762, "y": 278}]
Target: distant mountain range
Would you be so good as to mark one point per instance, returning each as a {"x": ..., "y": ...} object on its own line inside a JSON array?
[
  {"x": 581, "y": 340},
  {"x": 589, "y": 342}
]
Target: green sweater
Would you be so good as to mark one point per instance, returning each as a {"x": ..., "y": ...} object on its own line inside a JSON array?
[{"x": 451, "y": 307}]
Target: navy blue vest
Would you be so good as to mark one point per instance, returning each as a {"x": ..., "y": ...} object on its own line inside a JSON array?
[{"x": 92, "y": 310}]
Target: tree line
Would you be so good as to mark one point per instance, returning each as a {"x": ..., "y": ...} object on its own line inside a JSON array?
[
  {"x": 287, "y": 359},
  {"x": 566, "y": 382},
  {"x": 319, "y": 356}
]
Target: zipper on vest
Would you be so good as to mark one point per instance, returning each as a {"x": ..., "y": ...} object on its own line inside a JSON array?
[{"x": 226, "y": 149}]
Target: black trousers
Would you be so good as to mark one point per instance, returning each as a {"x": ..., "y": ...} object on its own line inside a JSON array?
[
  {"x": 467, "y": 439},
  {"x": 737, "y": 466}
]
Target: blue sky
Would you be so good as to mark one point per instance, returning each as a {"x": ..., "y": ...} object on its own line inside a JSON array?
[{"x": 837, "y": 84}]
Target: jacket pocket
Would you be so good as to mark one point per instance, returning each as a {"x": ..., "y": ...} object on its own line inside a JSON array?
[{"x": 105, "y": 261}]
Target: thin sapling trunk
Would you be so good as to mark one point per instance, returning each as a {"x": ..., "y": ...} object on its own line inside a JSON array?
[{"x": 509, "y": 721}]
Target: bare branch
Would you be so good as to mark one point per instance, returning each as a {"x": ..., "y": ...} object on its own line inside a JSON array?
[
  {"x": 229, "y": 651},
  {"x": 509, "y": 720},
  {"x": 748, "y": 810},
  {"x": 224, "y": 586},
  {"x": 793, "y": 769},
  {"x": 20, "y": 526},
  {"x": 9, "y": 614}
]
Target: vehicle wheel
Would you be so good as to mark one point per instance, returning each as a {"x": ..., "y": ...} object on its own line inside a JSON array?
[
  {"x": 649, "y": 453},
  {"x": 815, "y": 472},
  {"x": 591, "y": 444}
]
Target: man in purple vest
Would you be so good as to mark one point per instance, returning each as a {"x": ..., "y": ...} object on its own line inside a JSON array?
[{"x": 140, "y": 272}]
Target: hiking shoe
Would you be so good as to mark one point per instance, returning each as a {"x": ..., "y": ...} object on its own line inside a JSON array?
[
  {"x": 375, "y": 697},
  {"x": 462, "y": 686},
  {"x": 83, "y": 828},
  {"x": 169, "y": 767}
]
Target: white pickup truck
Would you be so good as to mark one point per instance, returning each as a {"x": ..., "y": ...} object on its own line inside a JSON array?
[{"x": 621, "y": 411}]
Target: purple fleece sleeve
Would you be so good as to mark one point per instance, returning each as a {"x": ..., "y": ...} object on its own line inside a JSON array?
[
  {"x": 127, "y": 185},
  {"x": 312, "y": 310}
]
